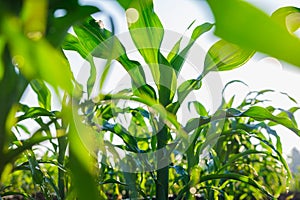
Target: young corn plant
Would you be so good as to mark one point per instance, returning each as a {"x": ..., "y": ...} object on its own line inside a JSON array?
[
  {"x": 228, "y": 154},
  {"x": 150, "y": 138}
]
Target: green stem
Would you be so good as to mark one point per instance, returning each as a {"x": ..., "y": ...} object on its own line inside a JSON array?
[{"x": 162, "y": 185}]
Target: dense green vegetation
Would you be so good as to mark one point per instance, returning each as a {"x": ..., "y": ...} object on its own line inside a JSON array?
[{"x": 83, "y": 150}]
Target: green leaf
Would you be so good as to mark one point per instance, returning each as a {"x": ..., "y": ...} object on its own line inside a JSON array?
[
  {"x": 185, "y": 88},
  {"x": 245, "y": 25},
  {"x": 33, "y": 60},
  {"x": 109, "y": 181},
  {"x": 36, "y": 172},
  {"x": 2, "y": 45},
  {"x": 81, "y": 160},
  {"x": 34, "y": 112},
  {"x": 261, "y": 114},
  {"x": 237, "y": 177},
  {"x": 72, "y": 43},
  {"x": 43, "y": 93},
  {"x": 288, "y": 17},
  {"x": 179, "y": 59},
  {"x": 254, "y": 112},
  {"x": 104, "y": 45},
  {"x": 74, "y": 13},
  {"x": 92, "y": 78},
  {"x": 25, "y": 145},
  {"x": 129, "y": 140},
  {"x": 101, "y": 42},
  {"x": 223, "y": 56},
  {"x": 146, "y": 31},
  {"x": 174, "y": 50},
  {"x": 200, "y": 109},
  {"x": 167, "y": 82},
  {"x": 176, "y": 47}
]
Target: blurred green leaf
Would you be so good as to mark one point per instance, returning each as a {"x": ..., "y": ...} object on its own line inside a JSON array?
[
  {"x": 223, "y": 56},
  {"x": 58, "y": 26},
  {"x": 2, "y": 46},
  {"x": 34, "y": 17},
  {"x": 82, "y": 162},
  {"x": 32, "y": 57},
  {"x": 245, "y": 25},
  {"x": 288, "y": 17}
]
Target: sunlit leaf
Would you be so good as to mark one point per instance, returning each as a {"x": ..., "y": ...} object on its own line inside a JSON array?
[
  {"x": 34, "y": 112},
  {"x": 103, "y": 44},
  {"x": 245, "y": 25},
  {"x": 2, "y": 44},
  {"x": 33, "y": 60},
  {"x": 146, "y": 31},
  {"x": 34, "y": 16},
  {"x": 261, "y": 114},
  {"x": 43, "y": 93},
  {"x": 288, "y": 16},
  {"x": 223, "y": 56},
  {"x": 81, "y": 159},
  {"x": 199, "y": 107},
  {"x": 72, "y": 43},
  {"x": 179, "y": 59}
]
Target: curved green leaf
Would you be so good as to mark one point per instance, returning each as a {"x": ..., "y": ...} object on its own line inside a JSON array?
[
  {"x": 32, "y": 57},
  {"x": 34, "y": 112},
  {"x": 288, "y": 17},
  {"x": 241, "y": 23},
  {"x": 146, "y": 31},
  {"x": 178, "y": 60},
  {"x": 43, "y": 93},
  {"x": 223, "y": 56},
  {"x": 237, "y": 177}
]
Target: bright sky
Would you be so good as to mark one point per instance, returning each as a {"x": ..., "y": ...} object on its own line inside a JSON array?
[{"x": 260, "y": 73}]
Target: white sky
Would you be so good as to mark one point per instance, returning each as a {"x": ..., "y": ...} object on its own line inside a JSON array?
[{"x": 260, "y": 73}]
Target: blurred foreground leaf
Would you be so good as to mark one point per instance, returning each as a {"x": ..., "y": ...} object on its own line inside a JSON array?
[{"x": 243, "y": 24}]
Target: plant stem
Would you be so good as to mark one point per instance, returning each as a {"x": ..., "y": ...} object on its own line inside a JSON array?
[{"x": 162, "y": 185}]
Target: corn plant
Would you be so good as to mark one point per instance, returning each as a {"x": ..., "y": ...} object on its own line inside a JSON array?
[
  {"x": 212, "y": 155},
  {"x": 233, "y": 162}
]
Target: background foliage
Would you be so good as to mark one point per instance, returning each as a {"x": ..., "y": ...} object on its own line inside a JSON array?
[{"x": 245, "y": 163}]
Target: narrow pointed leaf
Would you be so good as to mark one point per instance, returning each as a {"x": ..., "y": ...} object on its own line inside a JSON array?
[
  {"x": 43, "y": 93},
  {"x": 146, "y": 31},
  {"x": 237, "y": 177},
  {"x": 179, "y": 59}
]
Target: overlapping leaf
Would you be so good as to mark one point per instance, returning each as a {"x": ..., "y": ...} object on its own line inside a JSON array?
[{"x": 241, "y": 23}]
